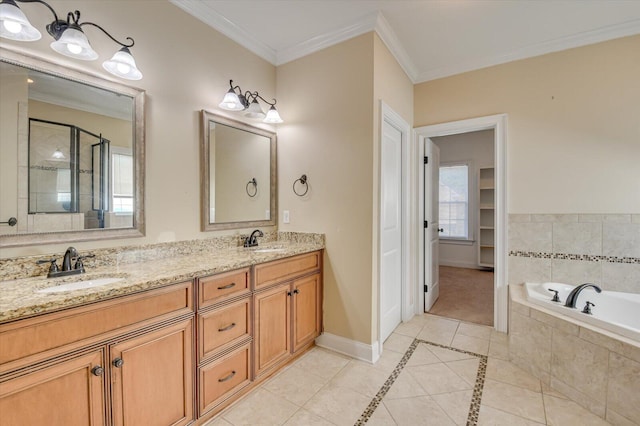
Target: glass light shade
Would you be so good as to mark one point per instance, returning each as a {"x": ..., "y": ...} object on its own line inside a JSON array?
[
  {"x": 14, "y": 25},
  {"x": 231, "y": 102},
  {"x": 123, "y": 65},
  {"x": 74, "y": 43},
  {"x": 254, "y": 110},
  {"x": 58, "y": 155},
  {"x": 272, "y": 116}
]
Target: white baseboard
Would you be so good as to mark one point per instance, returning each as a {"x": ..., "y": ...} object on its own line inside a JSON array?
[
  {"x": 352, "y": 348},
  {"x": 458, "y": 264}
]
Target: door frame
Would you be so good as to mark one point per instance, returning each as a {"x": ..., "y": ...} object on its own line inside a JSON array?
[
  {"x": 408, "y": 301},
  {"x": 497, "y": 123}
]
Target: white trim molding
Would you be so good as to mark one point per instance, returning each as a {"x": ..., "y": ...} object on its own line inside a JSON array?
[
  {"x": 499, "y": 124},
  {"x": 352, "y": 348}
]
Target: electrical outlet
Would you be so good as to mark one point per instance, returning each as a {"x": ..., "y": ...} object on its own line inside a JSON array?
[{"x": 285, "y": 216}]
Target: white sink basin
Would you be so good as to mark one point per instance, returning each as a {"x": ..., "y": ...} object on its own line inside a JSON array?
[{"x": 79, "y": 285}]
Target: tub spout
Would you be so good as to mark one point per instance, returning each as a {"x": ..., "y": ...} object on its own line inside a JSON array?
[{"x": 573, "y": 296}]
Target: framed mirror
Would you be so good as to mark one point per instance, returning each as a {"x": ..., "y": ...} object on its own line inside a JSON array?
[
  {"x": 238, "y": 174},
  {"x": 72, "y": 164}
]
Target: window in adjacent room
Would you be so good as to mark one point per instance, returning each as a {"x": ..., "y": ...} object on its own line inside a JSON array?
[{"x": 454, "y": 202}]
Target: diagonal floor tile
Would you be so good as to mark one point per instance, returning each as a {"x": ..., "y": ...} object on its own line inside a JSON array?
[
  {"x": 562, "y": 412},
  {"x": 466, "y": 368},
  {"x": 306, "y": 418},
  {"x": 494, "y": 417},
  {"x": 438, "y": 378},
  {"x": 455, "y": 404},
  {"x": 360, "y": 378},
  {"x": 405, "y": 386},
  {"x": 341, "y": 406},
  {"x": 417, "y": 411},
  {"x": 513, "y": 400},
  {"x": 504, "y": 371},
  {"x": 295, "y": 385},
  {"x": 260, "y": 407}
]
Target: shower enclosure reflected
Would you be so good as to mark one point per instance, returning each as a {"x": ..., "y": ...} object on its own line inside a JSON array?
[{"x": 72, "y": 171}]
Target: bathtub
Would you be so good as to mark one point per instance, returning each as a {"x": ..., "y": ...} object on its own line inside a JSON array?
[{"x": 613, "y": 311}]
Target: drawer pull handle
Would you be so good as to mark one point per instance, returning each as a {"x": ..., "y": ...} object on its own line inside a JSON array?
[
  {"x": 228, "y": 286},
  {"x": 229, "y": 377},
  {"x": 118, "y": 362},
  {"x": 97, "y": 370},
  {"x": 229, "y": 327}
]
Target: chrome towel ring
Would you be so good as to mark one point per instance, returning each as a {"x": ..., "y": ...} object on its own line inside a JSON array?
[
  {"x": 303, "y": 181},
  {"x": 255, "y": 188}
]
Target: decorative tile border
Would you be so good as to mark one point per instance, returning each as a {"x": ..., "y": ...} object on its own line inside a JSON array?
[
  {"x": 474, "y": 408},
  {"x": 566, "y": 256}
]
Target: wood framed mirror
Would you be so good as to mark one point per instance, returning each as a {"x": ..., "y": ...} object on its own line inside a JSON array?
[{"x": 238, "y": 174}]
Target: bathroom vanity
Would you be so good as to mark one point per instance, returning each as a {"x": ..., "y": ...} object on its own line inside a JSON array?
[{"x": 173, "y": 348}]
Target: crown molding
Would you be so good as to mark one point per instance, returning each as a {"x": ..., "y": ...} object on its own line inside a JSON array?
[
  {"x": 576, "y": 40},
  {"x": 390, "y": 39},
  {"x": 315, "y": 44},
  {"x": 199, "y": 10}
]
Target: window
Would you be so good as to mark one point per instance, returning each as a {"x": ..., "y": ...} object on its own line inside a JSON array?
[
  {"x": 122, "y": 172},
  {"x": 454, "y": 202}
]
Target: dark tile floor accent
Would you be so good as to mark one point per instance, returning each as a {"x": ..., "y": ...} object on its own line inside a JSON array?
[{"x": 476, "y": 399}]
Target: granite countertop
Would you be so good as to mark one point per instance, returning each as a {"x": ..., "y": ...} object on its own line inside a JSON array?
[{"x": 19, "y": 298}]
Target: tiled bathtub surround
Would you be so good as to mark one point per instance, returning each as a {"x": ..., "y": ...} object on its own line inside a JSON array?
[
  {"x": 576, "y": 248},
  {"x": 596, "y": 369},
  {"x": 24, "y": 267}
]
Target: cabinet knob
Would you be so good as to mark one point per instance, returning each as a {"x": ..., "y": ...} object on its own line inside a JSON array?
[
  {"x": 97, "y": 370},
  {"x": 118, "y": 362},
  {"x": 296, "y": 291},
  {"x": 288, "y": 293},
  {"x": 440, "y": 229}
]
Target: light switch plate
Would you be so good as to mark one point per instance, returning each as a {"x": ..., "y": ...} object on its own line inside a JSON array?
[{"x": 285, "y": 216}]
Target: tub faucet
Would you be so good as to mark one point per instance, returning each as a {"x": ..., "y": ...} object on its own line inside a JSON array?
[
  {"x": 573, "y": 296},
  {"x": 251, "y": 240}
]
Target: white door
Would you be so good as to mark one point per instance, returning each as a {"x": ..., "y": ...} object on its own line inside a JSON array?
[
  {"x": 390, "y": 229},
  {"x": 431, "y": 230}
]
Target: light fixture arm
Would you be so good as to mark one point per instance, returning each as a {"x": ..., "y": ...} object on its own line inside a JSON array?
[
  {"x": 257, "y": 95},
  {"x": 109, "y": 35},
  {"x": 55, "y": 15}
]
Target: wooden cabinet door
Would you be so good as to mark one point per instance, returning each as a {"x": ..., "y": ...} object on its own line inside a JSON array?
[
  {"x": 68, "y": 393},
  {"x": 272, "y": 326},
  {"x": 152, "y": 377},
  {"x": 306, "y": 310}
]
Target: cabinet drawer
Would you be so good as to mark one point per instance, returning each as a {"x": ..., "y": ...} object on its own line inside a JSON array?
[
  {"x": 83, "y": 325},
  {"x": 216, "y": 288},
  {"x": 221, "y": 378},
  {"x": 291, "y": 267},
  {"x": 222, "y": 326}
]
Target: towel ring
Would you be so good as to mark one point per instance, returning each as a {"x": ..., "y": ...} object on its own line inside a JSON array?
[
  {"x": 255, "y": 187},
  {"x": 11, "y": 222},
  {"x": 303, "y": 181}
]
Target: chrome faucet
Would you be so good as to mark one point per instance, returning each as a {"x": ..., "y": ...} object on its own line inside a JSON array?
[
  {"x": 572, "y": 298},
  {"x": 67, "y": 269},
  {"x": 251, "y": 240}
]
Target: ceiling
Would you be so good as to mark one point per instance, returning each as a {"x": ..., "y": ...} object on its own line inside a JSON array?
[{"x": 429, "y": 38}]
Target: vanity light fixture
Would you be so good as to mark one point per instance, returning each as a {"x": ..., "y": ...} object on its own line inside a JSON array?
[
  {"x": 69, "y": 39},
  {"x": 249, "y": 102}
]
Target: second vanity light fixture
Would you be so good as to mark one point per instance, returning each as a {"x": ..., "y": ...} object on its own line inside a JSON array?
[
  {"x": 70, "y": 40},
  {"x": 249, "y": 101}
]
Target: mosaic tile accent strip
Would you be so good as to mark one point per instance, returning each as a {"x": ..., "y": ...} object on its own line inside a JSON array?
[
  {"x": 476, "y": 399},
  {"x": 567, "y": 256}
]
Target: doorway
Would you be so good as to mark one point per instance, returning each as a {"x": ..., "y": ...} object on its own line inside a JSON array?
[
  {"x": 497, "y": 124},
  {"x": 466, "y": 248}
]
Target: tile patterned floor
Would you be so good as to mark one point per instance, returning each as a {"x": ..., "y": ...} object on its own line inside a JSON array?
[{"x": 413, "y": 383}]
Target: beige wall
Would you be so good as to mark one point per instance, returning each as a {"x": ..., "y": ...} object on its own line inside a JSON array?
[
  {"x": 187, "y": 67},
  {"x": 573, "y": 137},
  {"x": 332, "y": 137},
  {"x": 328, "y": 136}
]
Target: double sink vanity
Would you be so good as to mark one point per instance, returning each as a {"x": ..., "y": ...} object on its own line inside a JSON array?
[
  {"x": 157, "y": 334},
  {"x": 156, "y": 342}
]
